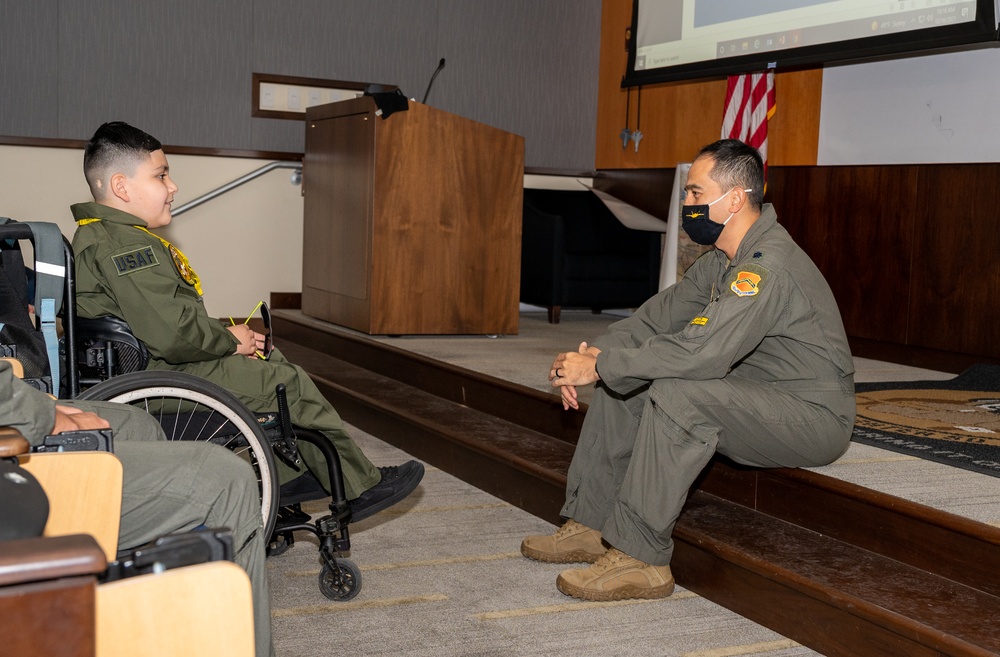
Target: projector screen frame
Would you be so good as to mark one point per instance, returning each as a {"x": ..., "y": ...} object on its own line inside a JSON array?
[{"x": 982, "y": 31}]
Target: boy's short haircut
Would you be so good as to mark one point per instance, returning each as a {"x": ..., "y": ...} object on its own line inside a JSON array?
[{"x": 116, "y": 147}]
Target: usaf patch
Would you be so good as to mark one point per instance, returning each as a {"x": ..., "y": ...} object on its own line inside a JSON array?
[
  {"x": 133, "y": 261},
  {"x": 746, "y": 284}
]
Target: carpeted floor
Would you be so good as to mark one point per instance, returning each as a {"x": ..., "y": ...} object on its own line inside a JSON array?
[
  {"x": 441, "y": 571},
  {"x": 442, "y": 576},
  {"x": 956, "y": 422}
]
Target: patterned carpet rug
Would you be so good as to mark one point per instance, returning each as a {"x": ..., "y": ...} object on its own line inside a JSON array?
[{"x": 955, "y": 422}]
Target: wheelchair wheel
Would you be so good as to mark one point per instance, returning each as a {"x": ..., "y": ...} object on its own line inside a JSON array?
[
  {"x": 191, "y": 408},
  {"x": 341, "y": 582}
]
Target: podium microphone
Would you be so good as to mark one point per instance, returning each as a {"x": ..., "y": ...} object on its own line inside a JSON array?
[{"x": 436, "y": 71}]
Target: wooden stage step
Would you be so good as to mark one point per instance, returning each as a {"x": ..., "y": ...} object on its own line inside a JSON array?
[{"x": 839, "y": 568}]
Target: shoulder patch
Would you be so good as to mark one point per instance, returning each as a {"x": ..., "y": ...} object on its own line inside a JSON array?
[
  {"x": 183, "y": 268},
  {"x": 135, "y": 260},
  {"x": 748, "y": 281}
]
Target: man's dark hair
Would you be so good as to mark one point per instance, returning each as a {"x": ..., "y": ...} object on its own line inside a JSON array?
[
  {"x": 116, "y": 147},
  {"x": 737, "y": 165}
]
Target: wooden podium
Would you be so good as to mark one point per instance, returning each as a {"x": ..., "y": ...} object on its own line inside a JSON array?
[{"x": 412, "y": 222}]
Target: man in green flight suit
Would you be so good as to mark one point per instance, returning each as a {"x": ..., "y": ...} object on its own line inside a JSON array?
[
  {"x": 124, "y": 270},
  {"x": 167, "y": 486},
  {"x": 745, "y": 356}
]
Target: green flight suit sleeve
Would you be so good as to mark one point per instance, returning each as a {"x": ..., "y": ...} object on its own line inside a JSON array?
[
  {"x": 714, "y": 340},
  {"x": 162, "y": 310},
  {"x": 24, "y": 408},
  {"x": 667, "y": 312}
]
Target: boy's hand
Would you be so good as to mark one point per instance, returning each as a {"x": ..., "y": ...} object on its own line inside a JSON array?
[{"x": 250, "y": 341}]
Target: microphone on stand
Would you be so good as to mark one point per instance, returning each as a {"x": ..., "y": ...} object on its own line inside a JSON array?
[{"x": 429, "y": 84}]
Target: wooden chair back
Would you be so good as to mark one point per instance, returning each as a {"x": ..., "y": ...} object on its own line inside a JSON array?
[
  {"x": 85, "y": 494},
  {"x": 206, "y": 609}
]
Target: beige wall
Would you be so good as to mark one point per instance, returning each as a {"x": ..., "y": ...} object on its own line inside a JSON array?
[{"x": 244, "y": 245}]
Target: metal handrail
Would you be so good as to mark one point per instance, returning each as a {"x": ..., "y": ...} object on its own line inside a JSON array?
[{"x": 296, "y": 179}]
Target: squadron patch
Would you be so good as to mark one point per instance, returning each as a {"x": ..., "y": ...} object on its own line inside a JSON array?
[
  {"x": 699, "y": 321},
  {"x": 183, "y": 267},
  {"x": 747, "y": 284},
  {"x": 133, "y": 261}
]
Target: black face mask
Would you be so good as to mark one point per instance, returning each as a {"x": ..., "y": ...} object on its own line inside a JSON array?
[{"x": 699, "y": 227}]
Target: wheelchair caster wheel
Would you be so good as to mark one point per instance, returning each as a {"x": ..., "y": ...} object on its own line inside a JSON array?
[
  {"x": 279, "y": 544},
  {"x": 340, "y": 582}
]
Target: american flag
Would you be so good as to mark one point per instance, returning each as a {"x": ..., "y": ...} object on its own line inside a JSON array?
[{"x": 749, "y": 105}]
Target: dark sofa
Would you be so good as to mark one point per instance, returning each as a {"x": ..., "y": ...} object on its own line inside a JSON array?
[{"x": 576, "y": 254}]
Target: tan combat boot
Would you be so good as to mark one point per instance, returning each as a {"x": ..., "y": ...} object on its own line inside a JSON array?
[
  {"x": 617, "y": 576},
  {"x": 571, "y": 543}
]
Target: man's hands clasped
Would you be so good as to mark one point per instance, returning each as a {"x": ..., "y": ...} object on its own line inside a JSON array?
[{"x": 571, "y": 369}]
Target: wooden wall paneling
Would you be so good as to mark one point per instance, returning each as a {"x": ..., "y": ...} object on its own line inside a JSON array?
[
  {"x": 913, "y": 269},
  {"x": 610, "y": 97},
  {"x": 793, "y": 131},
  {"x": 677, "y": 119},
  {"x": 856, "y": 223},
  {"x": 956, "y": 274},
  {"x": 672, "y": 116}
]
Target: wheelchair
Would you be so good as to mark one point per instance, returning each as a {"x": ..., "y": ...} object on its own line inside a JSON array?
[{"x": 100, "y": 360}]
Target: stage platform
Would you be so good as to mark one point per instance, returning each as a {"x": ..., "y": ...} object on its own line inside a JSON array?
[{"x": 838, "y": 567}]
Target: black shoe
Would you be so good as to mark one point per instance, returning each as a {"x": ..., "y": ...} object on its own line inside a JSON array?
[
  {"x": 396, "y": 483},
  {"x": 304, "y": 488},
  {"x": 281, "y": 539},
  {"x": 291, "y": 515}
]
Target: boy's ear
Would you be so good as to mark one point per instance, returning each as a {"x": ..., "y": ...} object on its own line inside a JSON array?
[{"x": 119, "y": 186}]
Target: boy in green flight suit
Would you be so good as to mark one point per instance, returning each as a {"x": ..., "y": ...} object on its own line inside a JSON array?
[{"x": 124, "y": 270}]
